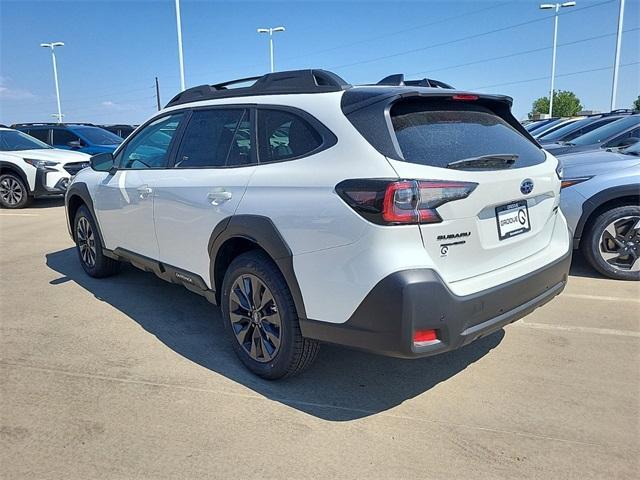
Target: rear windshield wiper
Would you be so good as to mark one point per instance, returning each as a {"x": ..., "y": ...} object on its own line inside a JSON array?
[{"x": 496, "y": 160}]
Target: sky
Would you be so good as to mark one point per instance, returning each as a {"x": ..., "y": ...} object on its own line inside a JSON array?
[{"x": 114, "y": 49}]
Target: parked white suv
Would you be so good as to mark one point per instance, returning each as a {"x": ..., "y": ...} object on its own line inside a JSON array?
[
  {"x": 32, "y": 169},
  {"x": 397, "y": 218}
]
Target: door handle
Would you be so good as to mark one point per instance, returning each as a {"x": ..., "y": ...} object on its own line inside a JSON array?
[
  {"x": 221, "y": 196},
  {"x": 144, "y": 191}
]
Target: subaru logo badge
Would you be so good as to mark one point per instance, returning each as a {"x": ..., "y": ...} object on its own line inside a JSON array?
[{"x": 526, "y": 187}]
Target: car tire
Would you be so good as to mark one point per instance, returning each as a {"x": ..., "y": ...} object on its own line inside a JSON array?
[
  {"x": 609, "y": 255},
  {"x": 260, "y": 318},
  {"x": 89, "y": 246},
  {"x": 13, "y": 191}
]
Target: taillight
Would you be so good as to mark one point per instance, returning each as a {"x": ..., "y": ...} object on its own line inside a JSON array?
[{"x": 401, "y": 202}]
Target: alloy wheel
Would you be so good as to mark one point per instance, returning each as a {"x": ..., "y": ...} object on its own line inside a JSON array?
[
  {"x": 86, "y": 242},
  {"x": 255, "y": 318},
  {"x": 620, "y": 244},
  {"x": 11, "y": 191}
]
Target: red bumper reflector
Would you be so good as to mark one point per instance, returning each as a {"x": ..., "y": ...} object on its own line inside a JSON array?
[{"x": 421, "y": 336}]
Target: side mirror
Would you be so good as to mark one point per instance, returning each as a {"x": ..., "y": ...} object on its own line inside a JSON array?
[
  {"x": 102, "y": 162},
  {"x": 75, "y": 144}
]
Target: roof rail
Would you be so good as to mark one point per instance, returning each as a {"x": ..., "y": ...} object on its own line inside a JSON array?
[
  {"x": 34, "y": 124},
  {"x": 50, "y": 124},
  {"x": 397, "y": 80},
  {"x": 621, "y": 110},
  {"x": 294, "y": 81}
]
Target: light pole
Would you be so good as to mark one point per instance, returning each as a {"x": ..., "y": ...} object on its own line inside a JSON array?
[
  {"x": 616, "y": 65},
  {"x": 180, "y": 56},
  {"x": 271, "y": 31},
  {"x": 556, "y": 7},
  {"x": 52, "y": 46}
]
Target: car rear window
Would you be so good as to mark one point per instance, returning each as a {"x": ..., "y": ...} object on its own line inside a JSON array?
[{"x": 438, "y": 134}]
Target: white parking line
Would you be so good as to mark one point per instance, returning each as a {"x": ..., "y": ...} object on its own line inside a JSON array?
[
  {"x": 598, "y": 297},
  {"x": 567, "y": 328}
]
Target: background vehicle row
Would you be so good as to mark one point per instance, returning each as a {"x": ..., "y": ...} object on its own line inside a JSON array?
[{"x": 32, "y": 169}]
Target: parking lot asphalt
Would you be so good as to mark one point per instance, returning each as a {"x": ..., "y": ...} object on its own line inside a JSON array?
[{"x": 131, "y": 377}]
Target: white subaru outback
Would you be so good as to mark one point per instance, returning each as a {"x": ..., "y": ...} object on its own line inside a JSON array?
[{"x": 403, "y": 218}]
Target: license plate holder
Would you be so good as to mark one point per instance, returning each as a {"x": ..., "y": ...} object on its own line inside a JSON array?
[{"x": 512, "y": 219}]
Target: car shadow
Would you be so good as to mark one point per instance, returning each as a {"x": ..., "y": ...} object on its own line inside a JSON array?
[
  {"x": 581, "y": 268},
  {"x": 47, "y": 202},
  {"x": 342, "y": 384}
]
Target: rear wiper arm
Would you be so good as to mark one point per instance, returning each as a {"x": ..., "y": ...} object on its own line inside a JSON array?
[{"x": 496, "y": 160}]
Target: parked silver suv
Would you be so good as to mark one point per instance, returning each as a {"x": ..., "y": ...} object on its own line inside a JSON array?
[{"x": 601, "y": 200}]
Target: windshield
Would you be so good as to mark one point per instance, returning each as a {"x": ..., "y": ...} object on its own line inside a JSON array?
[
  {"x": 537, "y": 124},
  {"x": 13, "y": 140},
  {"x": 605, "y": 132},
  {"x": 542, "y": 128},
  {"x": 98, "y": 136},
  {"x": 565, "y": 130}
]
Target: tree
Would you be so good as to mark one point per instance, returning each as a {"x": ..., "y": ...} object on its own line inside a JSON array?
[
  {"x": 565, "y": 104},
  {"x": 636, "y": 103}
]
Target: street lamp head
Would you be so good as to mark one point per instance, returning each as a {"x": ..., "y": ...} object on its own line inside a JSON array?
[
  {"x": 53, "y": 44},
  {"x": 278, "y": 29},
  {"x": 568, "y": 4},
  {"x": 263, "y": 30},
  {"x": 547, "y": 6}
]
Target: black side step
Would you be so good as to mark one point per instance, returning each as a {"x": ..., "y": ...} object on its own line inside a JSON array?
[{"x": 189, "y": 280}]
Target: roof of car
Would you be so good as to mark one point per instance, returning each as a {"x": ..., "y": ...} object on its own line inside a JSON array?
[
  {"x": 300, "y": 82},
  {"x": 51, "y": 124}
]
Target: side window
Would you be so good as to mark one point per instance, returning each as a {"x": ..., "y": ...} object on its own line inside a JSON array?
[
  {"x": 150, "y": 147},
  {"x": 62, "y": 137},
  {"x": 625, "y": 139},
  {"x": 283, "y": 135},
  {"x": 216, "y": 138},
  {"x": 40, "y": 133}
]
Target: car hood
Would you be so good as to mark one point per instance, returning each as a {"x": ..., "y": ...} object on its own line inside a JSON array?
[
  {"x": 563, "y": 149},
  {"x": 103, "y": 148},
  {"x": 595, "y": 162},
  {"x": 52, "y": 154}
]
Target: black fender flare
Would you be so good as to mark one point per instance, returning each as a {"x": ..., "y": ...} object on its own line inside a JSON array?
[
  {"x": 261, "y": 231},
  {"x": 80, "y": 189},
  {"x": 15, "y": 169},
  {"x": 601, "y": 198}
]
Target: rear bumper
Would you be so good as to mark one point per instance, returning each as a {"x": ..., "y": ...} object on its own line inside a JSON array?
[{"x": 418, "y": 299}]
